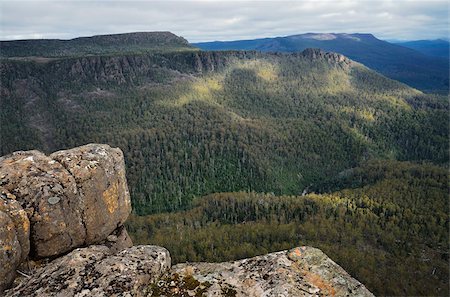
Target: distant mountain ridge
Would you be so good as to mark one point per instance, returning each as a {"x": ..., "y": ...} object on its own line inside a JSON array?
[
  {"x": 397, "y": 62},
  {"x": 438, "y": 47},
  {"x": 95, "y": 45}
]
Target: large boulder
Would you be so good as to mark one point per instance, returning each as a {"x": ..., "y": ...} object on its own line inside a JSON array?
[
  {"x": 14, "y": 237},
  {"x": 49, "y": 195},
  {"x": 73, "y": 198},
  {"x": 93, "y": 271},
  {"x": 99, "y": 173},
  {"x": 303, "y": 271}
]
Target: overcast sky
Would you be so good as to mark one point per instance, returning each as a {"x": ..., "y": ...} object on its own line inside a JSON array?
[{"x": 209, "y": 20}]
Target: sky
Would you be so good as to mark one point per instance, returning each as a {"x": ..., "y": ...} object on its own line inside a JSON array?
[{"x": 210, "y": 20}]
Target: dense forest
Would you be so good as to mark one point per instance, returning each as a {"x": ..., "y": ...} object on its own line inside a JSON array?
[
  {"x": 390, "y": 231},
  {"x": 238, "y": 153},
  {"x": 409, "y": 63},
  {"x": 194, "y": 123}
]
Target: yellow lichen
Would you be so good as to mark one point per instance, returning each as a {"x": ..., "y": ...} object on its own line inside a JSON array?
[
  {"x": 110, "y": 197},
  {"x": 7, "y": 248}
]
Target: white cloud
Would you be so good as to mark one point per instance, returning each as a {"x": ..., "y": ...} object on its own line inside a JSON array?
[{"x": 223, "y": 20}]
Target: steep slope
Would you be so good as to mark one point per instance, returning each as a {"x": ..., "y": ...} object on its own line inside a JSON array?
[
  {"x": 397, "y": 62},
  {"x": 95, "y": 45},
  {"x": 193, "y": 123},
  {"x": 438, "y": 47}
]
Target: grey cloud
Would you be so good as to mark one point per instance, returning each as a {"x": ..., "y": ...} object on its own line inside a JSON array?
[{"x": 224, "y": 20}]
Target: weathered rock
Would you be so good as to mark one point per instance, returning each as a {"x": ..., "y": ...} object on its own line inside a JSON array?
[
  {"x": 35, "y": 180},
  {"x": 118, "y": 240},
  {"x": 99, "y": 172},
  {"x": 72, "y": 198},
  {"x": 14, "y": 237},
  {"x": 303, "y": 271},
  {"x": 93, "y": 271}
]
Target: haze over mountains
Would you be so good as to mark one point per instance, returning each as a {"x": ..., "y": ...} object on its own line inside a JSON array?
[
  {"x": 231, "y": 143},
  {"x": 424, "y": 72},
  {"x": 438, "y": 47}
]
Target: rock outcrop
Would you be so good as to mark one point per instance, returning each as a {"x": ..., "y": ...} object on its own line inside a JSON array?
[
  {"x": 303, "y": 271},
  {"x": 99, "y": 173},
  {"x": 14, "y": 237},
  {"x": 330, "y": 57},
  {"x": 94, "y": 271},
  {"x": 52, "y": 205},
  {"x": 73, "y": 198},
  {"x": 144, "y": 271}
]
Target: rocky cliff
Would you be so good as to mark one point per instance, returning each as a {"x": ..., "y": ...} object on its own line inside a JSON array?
[{"x": 61, "y": 231}]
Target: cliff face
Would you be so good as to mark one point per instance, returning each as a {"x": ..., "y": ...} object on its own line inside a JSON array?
[
  {"x": 53, "y": 205},
  {"x": 134, "y": 69}
]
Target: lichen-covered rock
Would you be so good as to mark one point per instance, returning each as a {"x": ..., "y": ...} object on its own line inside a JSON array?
[
  {"x": 99, "y": 172},
  {"x": 73, "y": 198},
  {"x": 93, "y": 271},
  {"x": 48, "y": 193},
  {"x": 14, "y": 237},
  {"x": 303, "y": 271}
]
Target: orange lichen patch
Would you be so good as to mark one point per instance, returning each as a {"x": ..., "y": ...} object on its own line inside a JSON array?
[
  {"x": 249, "y": 282},
  {"x": 7, "y": 248},
  {"x": 9, "y": 161},
  {"x": 110, "y": 197},
  {"x": 25, "y": 222},
  {"x": 297, "y": 252},
  {"x": 189, "y": 271},
  {"x": 325, "y": 288},
  {"x": 10, "y": 196}
]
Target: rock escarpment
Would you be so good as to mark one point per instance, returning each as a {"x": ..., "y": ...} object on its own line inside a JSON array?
[{"x": 69, "y": 208}]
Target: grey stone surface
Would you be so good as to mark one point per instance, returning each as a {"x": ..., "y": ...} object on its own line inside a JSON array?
[
  {"x": 303, "y": 271},
  {"x": 94, "y": 271}
]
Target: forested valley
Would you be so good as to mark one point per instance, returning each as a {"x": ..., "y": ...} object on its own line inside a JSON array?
[
  {"x": 233, "y": 154},
  {"x": 390, "y": 229}
]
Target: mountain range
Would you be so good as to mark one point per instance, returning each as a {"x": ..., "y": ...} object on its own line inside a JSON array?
[
  {"x": 438, "y": 47},
  {"x": 95, "y": 45},
  {"x": 404, "y": 62}
]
